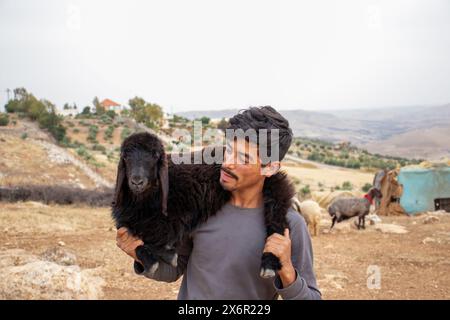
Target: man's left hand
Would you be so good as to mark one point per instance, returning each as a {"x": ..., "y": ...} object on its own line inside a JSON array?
[{"x": 280, "y": 246}]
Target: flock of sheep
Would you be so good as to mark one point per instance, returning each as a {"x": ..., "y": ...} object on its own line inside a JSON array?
[{"x": 340, "y": 209}]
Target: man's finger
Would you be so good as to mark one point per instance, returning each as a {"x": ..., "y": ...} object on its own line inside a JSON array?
[
  {"x": 286, "y": 232},
  {"x": 122, "y": 230},
  {"x": 276, "y": 241},
  {"x": 276, "y": 236}
]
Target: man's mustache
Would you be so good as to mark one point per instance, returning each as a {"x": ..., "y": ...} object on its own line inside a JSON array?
[{"x": 227, "y": 171}]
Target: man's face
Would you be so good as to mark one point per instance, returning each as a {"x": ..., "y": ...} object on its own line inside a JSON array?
[{"x": 241, "y": 167}]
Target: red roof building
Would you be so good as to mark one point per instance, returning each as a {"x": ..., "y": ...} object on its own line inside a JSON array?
[{"x": 111, "y": 105}]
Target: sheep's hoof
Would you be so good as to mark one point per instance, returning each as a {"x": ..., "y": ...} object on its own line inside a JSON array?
[
  {"x": 174, "y": 261},
  {"x": 267, "y": 273}
]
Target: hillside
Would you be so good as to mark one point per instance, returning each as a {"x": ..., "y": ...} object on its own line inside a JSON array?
[
  {"x": 365, "y": 127},
  {"x": 428, "y": 143},
  {"x": 31, "y": 157}
]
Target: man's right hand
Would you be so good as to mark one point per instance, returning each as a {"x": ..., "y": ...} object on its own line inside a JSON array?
[{"x": 127, "y": 243}]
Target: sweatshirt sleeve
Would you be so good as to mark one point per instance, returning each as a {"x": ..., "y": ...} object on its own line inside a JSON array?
[
  {"x": 165, "y": 271},
  {"x": 305, "y": 286}
]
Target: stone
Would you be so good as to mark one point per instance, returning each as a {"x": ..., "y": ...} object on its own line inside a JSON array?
[
  {"x": 390, "y": 228},
  {"x": 25, "y": 276},
  {"x": 430, "y": 219},
  {"x": 60, "y": 256},
  {"x": 428, "y": 240}
]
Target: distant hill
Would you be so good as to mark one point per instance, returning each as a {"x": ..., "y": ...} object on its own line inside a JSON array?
[
  {"x": 373, "y": 129},
  {"x": 428, "y": 143}
]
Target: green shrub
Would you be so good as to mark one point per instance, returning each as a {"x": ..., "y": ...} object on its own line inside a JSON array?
[
  {"x": 109, "y": 132},
  {"x": 98, "y": 147},
  {"x": 347, "y": 185},
  {"x": 125, "y": 133},
  {"x": 24, "y": 136},
  {"x": 82, "y": 152},
  {"x": 305, "y": 190},
  {"x": 92, "y": 135},
  {"x": 4, "y": 119},
  {"x": 366, "y": 187}
]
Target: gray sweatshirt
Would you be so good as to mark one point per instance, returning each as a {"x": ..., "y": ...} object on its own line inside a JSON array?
[{"x": 221, "y": 259}]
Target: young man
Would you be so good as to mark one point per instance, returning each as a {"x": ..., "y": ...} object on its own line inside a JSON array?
[{"x": 221, "y": 258}]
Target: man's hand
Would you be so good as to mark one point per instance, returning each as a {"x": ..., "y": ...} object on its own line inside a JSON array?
[
  {"x": 280, "y": 246},
  {"x": 128, "y": 243}
]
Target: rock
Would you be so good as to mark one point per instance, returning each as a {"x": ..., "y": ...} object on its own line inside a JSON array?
[
  {"x": 61, "y": 243},
  {"x": 428, "y": 240},
  {"x": 438, "y": 213},
  {"x": 390, "y": 228},
  {"x": 336, "y": 281},
  {"x": 25, "y": 276},
  {"x": 430, "y": 219},
  {"x": 60, "y": 256},
  {"x": 373, "y": 219}
]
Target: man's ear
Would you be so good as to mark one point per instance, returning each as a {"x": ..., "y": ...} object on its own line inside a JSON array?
[{"x": 270, "y": 169}]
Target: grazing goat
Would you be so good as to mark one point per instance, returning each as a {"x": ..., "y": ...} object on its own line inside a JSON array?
[
  {"x": 161, "y": 202},
  {"x": 345, "y": 208}
]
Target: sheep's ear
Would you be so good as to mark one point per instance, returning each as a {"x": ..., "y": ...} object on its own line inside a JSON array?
[
  {"x": 121, "y": 177},
  {"x": 163, "y": 176}
]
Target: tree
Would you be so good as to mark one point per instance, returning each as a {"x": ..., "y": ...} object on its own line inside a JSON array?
[
  {"x": 222, "y": 125},
  {"x": 150, "y": 114},
  {"x": 205, "y": 120},
  {"x": 99, "y": 110},
  {"x": 86, "y": 111},
  {"x": 111, "y": 114}
]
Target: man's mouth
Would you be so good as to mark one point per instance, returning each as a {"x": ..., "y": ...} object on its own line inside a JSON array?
[{"x": 227, "y": 175}]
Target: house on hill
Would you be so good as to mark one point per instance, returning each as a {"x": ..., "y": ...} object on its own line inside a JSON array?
[{"x": 111, "y": 105}]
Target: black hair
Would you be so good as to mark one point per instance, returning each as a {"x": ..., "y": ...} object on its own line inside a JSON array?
[{"x": 264, "y": 117}]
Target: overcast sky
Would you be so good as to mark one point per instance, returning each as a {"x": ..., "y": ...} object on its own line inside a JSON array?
[{"x": 208, "y": 54}]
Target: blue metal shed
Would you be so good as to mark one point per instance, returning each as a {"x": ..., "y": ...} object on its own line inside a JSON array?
[{"x": 424, "y": 189}]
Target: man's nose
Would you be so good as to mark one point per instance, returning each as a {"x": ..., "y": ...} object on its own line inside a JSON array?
[{"x": 229, "y": 160}]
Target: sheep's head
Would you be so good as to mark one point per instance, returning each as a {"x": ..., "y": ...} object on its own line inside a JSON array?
[
  {"x": 142, "y": 167},
  {"x": 375, "y": 193}
]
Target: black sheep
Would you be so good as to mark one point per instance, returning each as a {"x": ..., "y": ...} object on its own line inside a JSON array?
[{"x": 161, "y": 202}]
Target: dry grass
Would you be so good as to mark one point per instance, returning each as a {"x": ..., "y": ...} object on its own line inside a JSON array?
[
  {"x": 409, "y": 268},
  {"x": 329, "y": 177},
  {"x": 24, "y": 162}
]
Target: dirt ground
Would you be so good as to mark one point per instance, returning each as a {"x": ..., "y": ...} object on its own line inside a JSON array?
[{"x": 410, "y": 268}]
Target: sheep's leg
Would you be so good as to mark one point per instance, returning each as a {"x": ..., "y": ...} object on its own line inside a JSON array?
[
  {"x": 269, "y": 265},
  {"x": 334, "y": 221},
  {"x": 269, "y": 262},
  {"x": 149, "y": 261},
  {"x": 364, "y": 221}
]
